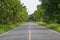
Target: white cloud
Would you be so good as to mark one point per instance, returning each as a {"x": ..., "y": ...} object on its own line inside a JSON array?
[{"x": 31, "y": 5}]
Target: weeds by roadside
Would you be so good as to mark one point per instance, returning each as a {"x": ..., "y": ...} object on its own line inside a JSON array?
[
  {"x": 5, "y": 28},
  {"x": 53, "y": 26}
]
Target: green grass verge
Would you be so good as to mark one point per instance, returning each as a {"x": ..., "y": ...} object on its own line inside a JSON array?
[
  {"x": 5, "y": 28},
  {"x": 53, "y": 26}
]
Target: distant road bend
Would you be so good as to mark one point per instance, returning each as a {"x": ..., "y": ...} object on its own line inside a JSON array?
[{"x": 30, "y": 31}]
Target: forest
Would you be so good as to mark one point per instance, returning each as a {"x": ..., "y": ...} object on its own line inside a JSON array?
[
  {"x": 48, "y": 14},
  {"x": 12, "y": 14}
]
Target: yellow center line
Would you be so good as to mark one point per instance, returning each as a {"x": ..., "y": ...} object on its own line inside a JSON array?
[{"x": 29, "y": 34}]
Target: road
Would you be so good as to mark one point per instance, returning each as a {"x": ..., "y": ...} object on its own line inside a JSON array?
[{"x": 30, "y": 31}]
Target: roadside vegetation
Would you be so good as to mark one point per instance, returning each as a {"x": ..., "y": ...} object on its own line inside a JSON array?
[
  {"x": 48, "y": 14},
  {"x": 53, "y": 26},
  {"x": 12, "y": 14},
  {"x": 5, "y": 28}
]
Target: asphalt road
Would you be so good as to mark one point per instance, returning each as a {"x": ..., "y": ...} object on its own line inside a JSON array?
[{"x": 30, "y": 31}]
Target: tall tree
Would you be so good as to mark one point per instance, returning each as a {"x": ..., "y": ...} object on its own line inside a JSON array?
[
  {"x": 48, "y": 11},
  {"x": 10, "y": 10}
]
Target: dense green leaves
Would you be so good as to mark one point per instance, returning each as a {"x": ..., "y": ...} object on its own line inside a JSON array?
[
  {"x": 52, "y": 10},
  {"x": 12, "y": 11},
  {"x": 48, "y": 11},
  {"x": 38, "y": 14}
]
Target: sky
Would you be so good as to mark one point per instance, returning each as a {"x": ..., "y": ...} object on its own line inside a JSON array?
[{"x": 31, "y": 5}]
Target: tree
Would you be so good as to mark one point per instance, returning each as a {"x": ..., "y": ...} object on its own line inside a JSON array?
[
  {"x": 12, "y": 11},
  {"x": 48, "y": 11},
  {"x": 38, "y": 14}
]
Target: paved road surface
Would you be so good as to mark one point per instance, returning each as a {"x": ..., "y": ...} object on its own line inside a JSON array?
[{"x": 30, "y": 31}]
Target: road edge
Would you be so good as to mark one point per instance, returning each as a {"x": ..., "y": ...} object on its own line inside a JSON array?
[{"x": 9, "y": 31}]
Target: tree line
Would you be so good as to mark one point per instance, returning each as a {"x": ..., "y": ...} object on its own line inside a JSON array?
[
  {"x": 48, "y": 11},
  {"x": 12, "y": 11}
]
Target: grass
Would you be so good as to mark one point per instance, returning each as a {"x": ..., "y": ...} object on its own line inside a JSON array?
[
  {"x": 53, "y": 26},
  {"x": 5, "y": 28}
]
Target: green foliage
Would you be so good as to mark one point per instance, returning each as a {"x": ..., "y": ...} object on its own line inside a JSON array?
[
  {"x": 53, "y": 26},
  {"x": 48, "y": 14},
  {"x": 52, "y": 9},
  {"x": 41, "y": 23},
  {"x": 48, "y": 11},
  {"x": 38, "y": 14},
  {"x": 12, "y": 11},
  {"x": 5, "y": 28}
]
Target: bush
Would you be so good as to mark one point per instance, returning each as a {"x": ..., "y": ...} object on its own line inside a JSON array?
[
  {"x": 41, "y": 23},
  {"x": 5, "y": 28},
  {"x": 53, "y": 26}
]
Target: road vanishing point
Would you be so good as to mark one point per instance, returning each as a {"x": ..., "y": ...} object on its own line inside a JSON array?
[{"x": 30, "y": 31}]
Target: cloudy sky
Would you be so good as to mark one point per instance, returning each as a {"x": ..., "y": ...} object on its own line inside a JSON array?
[{"x": 31, "y": 5}]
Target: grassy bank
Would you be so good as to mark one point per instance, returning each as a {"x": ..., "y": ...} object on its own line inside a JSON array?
[
  {"x": 5, "y": 28},
  {"x": 53, "y": 26}
]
